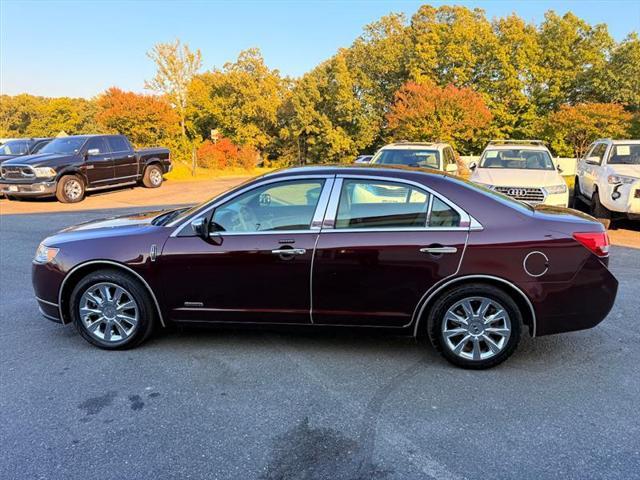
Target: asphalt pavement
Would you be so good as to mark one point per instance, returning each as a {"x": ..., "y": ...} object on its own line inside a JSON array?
[{"x": 246, "y": 404}]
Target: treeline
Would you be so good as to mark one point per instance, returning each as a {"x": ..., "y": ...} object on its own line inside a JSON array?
[{"x": 447, "y": 73}]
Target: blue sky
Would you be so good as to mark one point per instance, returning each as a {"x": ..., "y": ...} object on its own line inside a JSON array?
[{"x": 80, "y": 48}]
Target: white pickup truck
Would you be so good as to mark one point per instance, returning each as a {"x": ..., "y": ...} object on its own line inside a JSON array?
[{"x": 608, "y": 179}]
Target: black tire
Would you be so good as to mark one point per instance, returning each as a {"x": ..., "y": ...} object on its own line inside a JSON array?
[
  {"x": 152, "y": 177},
  {"x": 599, "y": 211},
  {"x": 575, "y": 203},
  {"x": 436, "y": 320},
  {"x": 146, "y": 310},
  {"x": 70, "y": 189}
]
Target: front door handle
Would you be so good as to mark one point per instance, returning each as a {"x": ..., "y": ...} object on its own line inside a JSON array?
[
  {"x": 289, "y": 251},
  {"x": 438, "y": 250}
]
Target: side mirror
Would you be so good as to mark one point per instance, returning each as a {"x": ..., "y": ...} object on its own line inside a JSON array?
[
  {"x": 558, "y": 168},
  {"x": 592, "y": 160},
  {"x": 200, "y": 227},
  {"x": 93, "y": 151},
  {"x": 473, "y": 166},
  {"x": 452, "y": 167}
]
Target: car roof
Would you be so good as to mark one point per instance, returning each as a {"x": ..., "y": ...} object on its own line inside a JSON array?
[
  {"x": 414, "y": 145},
  {"x": 390, "y": 171},
  {"x": 618, "y": 142}
]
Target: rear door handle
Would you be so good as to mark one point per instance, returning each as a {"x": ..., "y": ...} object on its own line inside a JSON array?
[
  {"x": 289, "y": 251},
  {"x": 438, "y": 250}
]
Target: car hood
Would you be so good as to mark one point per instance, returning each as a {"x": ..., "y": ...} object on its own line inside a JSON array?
[
  {"x": 626, "y": 170},
  {"x": 511, "y": 177},
  {"x": 125, "y": 225},
  {"x": 4, "y": 158},
  {"x": 40, "y": 160}
]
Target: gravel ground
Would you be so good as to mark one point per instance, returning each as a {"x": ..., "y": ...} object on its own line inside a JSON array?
[{"x": 228, "y": 404}]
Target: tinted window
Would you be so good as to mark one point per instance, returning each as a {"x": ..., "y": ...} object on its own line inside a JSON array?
[
  {"x": 118, "y": 144},
  {"x": 442, "y": 215},
  {"x": 410, "y": 157},
  {"x": 97, "y": 143},
  {"x": 14, "y": 147},
  {"x": 376, "y": 204},
  {"x": 278, "y": 206},
  {"x": 38, "y": 146}
]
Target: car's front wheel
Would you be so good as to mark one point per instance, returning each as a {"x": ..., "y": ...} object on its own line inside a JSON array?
[
  {"x": 70, "y": 189},
  {"x": 112, "y": 310},
  {"x": 475, "y": 326},
  {"x": 599, "y": 211}
]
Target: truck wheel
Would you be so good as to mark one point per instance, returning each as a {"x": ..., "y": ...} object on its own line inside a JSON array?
[
  {"x": 152, "y": 176},
  {"x": 576, "y": 194},
  {"x": 70, "y": 189},
  {"x": 599, "y": 211}
]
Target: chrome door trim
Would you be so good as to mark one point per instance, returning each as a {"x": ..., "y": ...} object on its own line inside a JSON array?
[
  {"x": 108, "y": 262},
  {"x": 216, "y": 202},
  {"x": 418, "y": 314}
]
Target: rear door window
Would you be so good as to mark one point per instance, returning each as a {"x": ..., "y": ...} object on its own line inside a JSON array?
[
  {"x": 381, "y": 204},
  {"x": 118, "y": 144}
]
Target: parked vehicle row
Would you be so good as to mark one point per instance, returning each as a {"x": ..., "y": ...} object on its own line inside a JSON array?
[
  {"x": 402, "y": 249},
  {"x": 68, "y": 167}
]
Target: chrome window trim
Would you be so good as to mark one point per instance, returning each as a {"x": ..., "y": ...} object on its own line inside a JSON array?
[
  {"x": 216, "y": 203},
  {"x": 108, "y": 262},
  {"x": 466, "y": 220},
  {"x": 429, "y": 294}
]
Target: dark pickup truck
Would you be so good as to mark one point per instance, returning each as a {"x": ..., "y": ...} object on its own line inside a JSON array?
[{"x": 68, "y": 167}]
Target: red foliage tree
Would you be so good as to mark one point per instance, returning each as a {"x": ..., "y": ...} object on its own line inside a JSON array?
[{"x": 427, "y": 112}]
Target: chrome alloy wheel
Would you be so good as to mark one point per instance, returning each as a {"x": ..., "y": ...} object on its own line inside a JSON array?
[
  {"x": 109, "y": 312},
  {"x": 72, "y": 189},
  {"x": 155, "y": 176},
  {"x": 476, "y": 328}
]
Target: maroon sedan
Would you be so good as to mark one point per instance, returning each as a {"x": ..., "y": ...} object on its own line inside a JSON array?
[{"x": 412, "y": 251}]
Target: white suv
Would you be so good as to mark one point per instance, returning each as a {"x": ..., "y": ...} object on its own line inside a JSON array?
[
  {"x": 521, "y": 169},
  {"x": 608, "y": 179},
  {"x": 438, "y": 156}
]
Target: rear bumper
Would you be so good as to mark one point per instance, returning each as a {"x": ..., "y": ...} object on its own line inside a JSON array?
[
  {"x": 579, "y": 304},
  {"x": 39, "y": 189}
]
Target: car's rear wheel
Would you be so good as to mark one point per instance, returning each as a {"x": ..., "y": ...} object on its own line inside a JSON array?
[
  {"x": 475, "y": 326},
  {"x": 70, "y": 189},
  {"x": 152, "y": 177},
  {"x": 599, "y": 211},
  {"x": 112, "y": 310}
]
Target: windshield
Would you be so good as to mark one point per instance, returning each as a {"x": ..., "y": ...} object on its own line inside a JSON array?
[
  {"x": 14, "y": 147},
  {"x": 64, "y": 145},
  {"x": 410, "y": 157},
  {"x": 625, "y": 155},
  {"x": 517, "y": 158}
]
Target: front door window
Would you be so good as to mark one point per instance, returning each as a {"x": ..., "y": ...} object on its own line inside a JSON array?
[{"x": 282, "y": 206}]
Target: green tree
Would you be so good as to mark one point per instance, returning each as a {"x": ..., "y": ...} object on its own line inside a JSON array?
[
  {"x": 176, "y": 66},
  {"x": 17, "y": 113},
  {"x": 241, "y": 101},
  {"x": 621, "y": 81},
  {"x": 573, "y": 59},
  {"x": 73, "y": 116}
]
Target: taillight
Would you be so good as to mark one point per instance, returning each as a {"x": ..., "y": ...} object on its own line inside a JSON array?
[{"x": 597, "y": 242}]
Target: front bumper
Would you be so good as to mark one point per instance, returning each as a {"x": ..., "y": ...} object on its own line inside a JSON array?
[
  {"x": 627, "y": 201},
  {"x": 557, "y": 199},
  {"x": 38, "y": 189}
]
